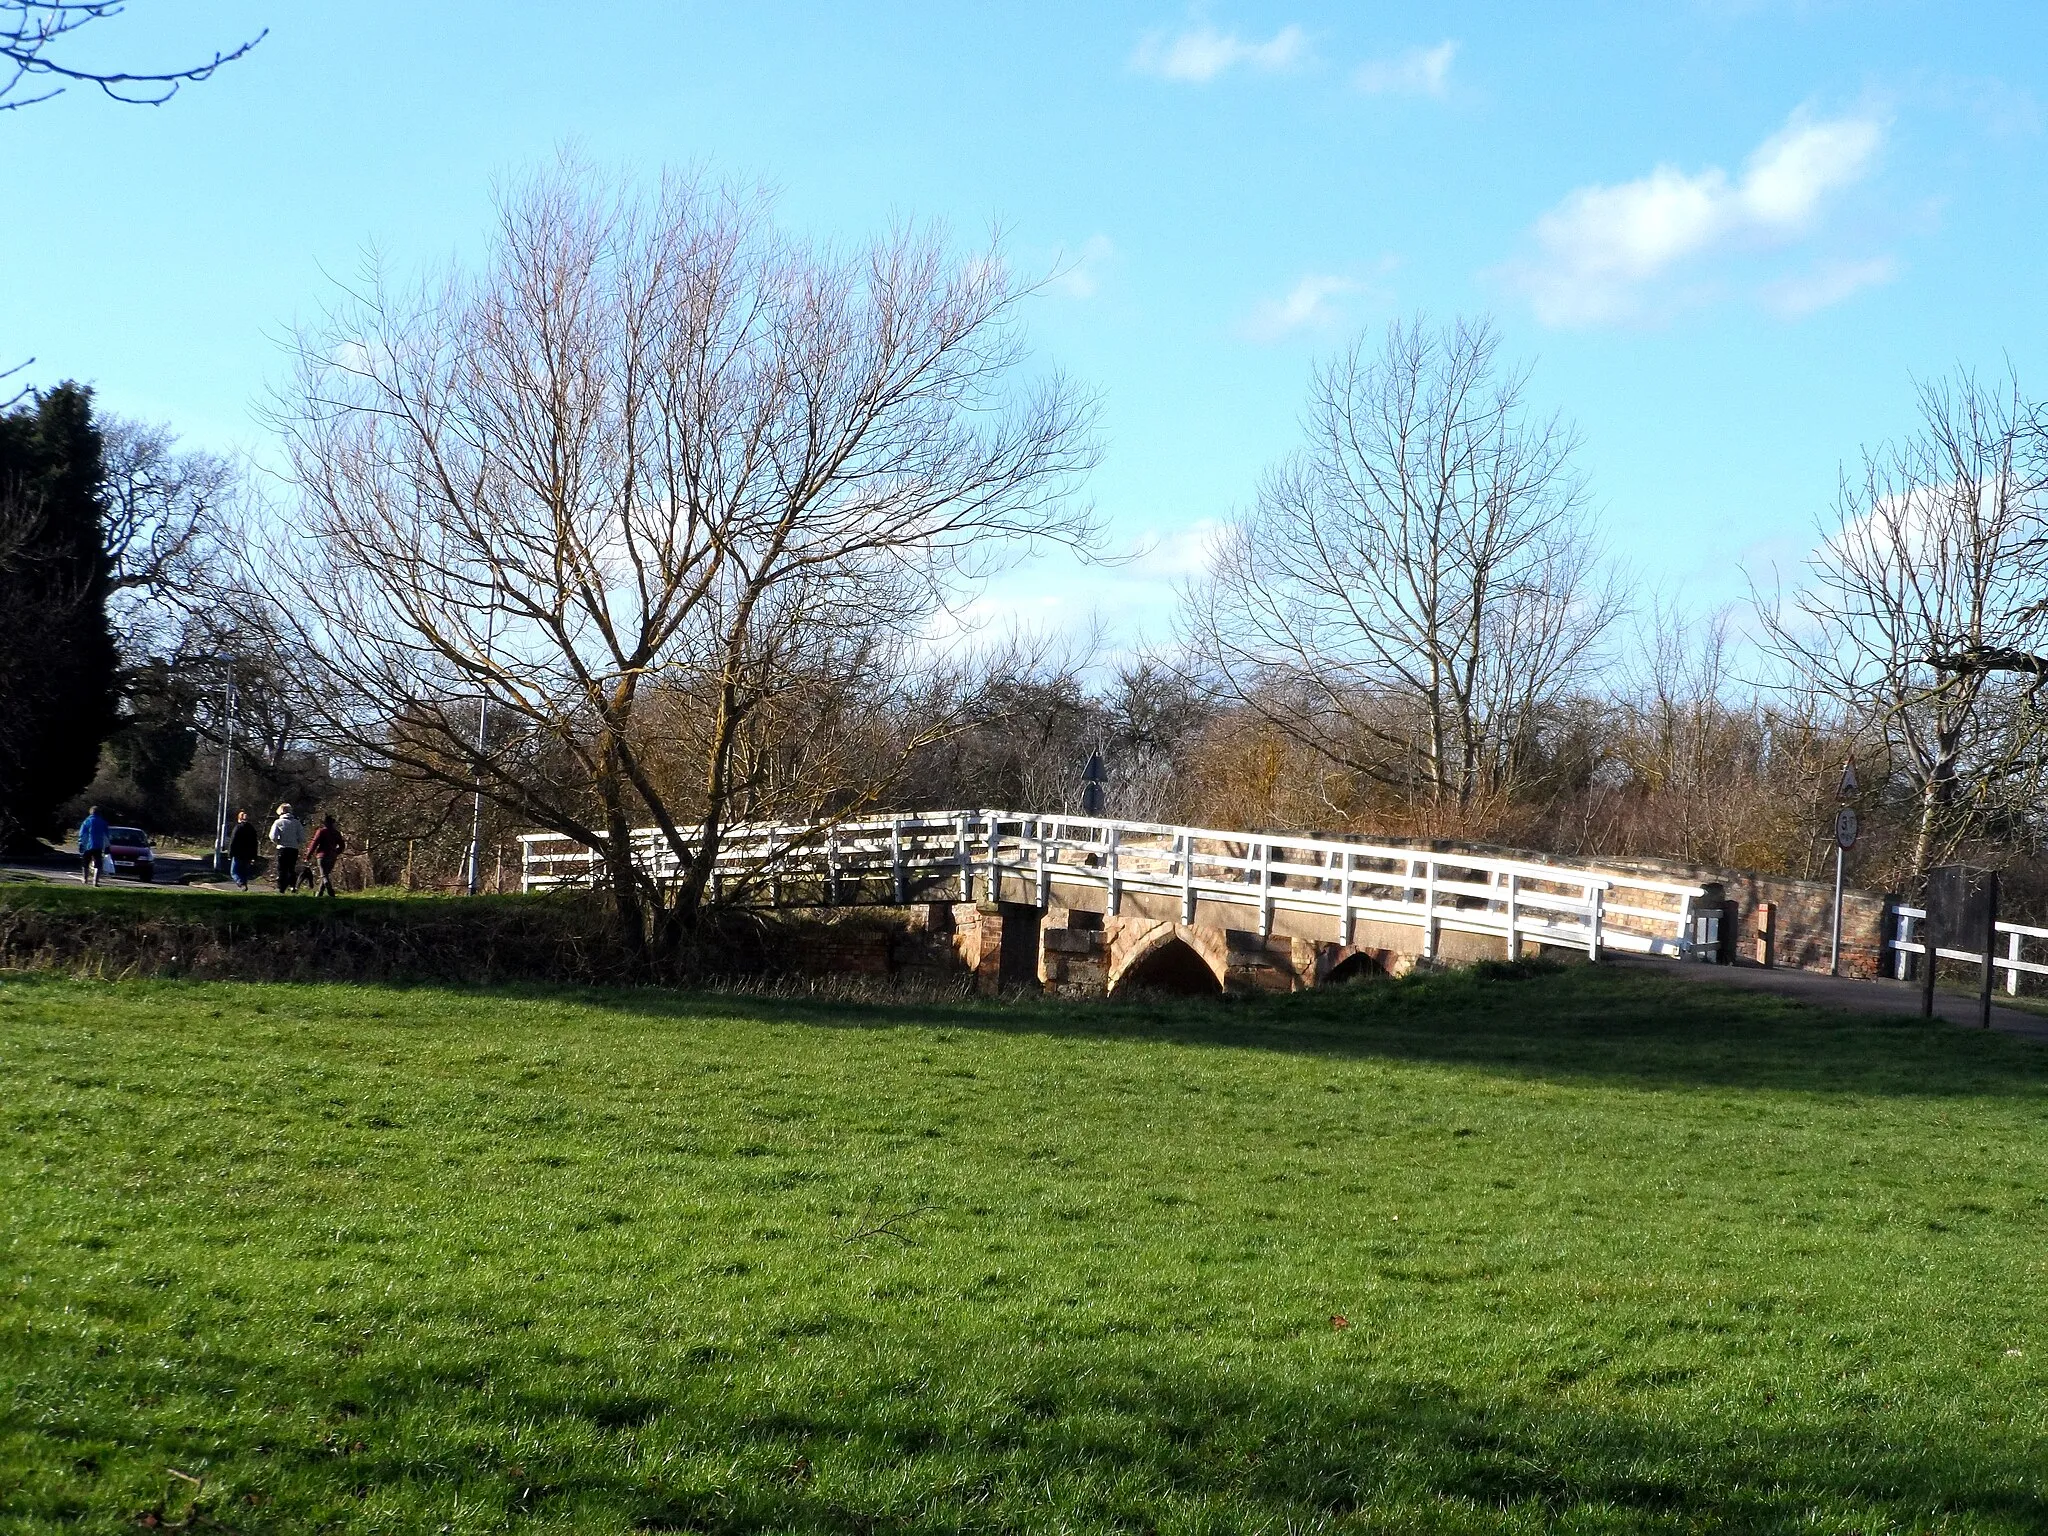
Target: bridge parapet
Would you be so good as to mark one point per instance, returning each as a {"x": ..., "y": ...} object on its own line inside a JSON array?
[{"x": 1426, "y": 903}]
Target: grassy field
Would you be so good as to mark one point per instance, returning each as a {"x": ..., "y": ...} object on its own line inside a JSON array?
[{"x": 1590, "y": 1251}]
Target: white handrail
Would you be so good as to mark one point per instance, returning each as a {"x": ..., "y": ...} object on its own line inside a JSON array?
[
  {"x": 897, "y": 858},
  {"x": 1904, "y": 944}
]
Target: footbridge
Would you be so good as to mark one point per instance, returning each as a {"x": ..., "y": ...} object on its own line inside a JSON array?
[{"x": 1087, "y": 904}]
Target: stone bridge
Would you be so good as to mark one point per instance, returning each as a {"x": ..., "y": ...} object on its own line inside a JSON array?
[{"x": 1086, "y": 906}]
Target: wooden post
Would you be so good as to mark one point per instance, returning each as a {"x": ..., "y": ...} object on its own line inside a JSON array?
[
  {"x": 1350, "y": 866},
  {"x": 1596, "y": 901},
  {"x": 1514, "y": 916},
  {"x": 2012, "y": 974},
  {"x": 1428, "y": 907},
  {"x": 1990, "y": 951},
  {"x": 1928, "y": 960},
  {"x": 1186, "y": 840},
  {"x": 832, "y": 868},
  {"x": 1044, "y": 874},
  {"x": 1115, "y": 895},
  {"x": 966, "y": 864},
  {"x": 1265, "y": 890},
  {"x": 1767, "y": 933},
  {"x": 899, "y": 880},
  {"x": 995, "y": 869}
]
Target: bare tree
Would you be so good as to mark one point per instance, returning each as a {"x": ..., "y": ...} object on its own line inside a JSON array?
[
  {"x": 1419, "y": 584},
  {"x": 166, "y": 513},
  {"x": 35, "y": 64},
  {"x": 652, "y": 469},
  {"x": 1928, "y": 591}
]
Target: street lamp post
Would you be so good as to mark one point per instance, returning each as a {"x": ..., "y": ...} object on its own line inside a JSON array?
[
  {"x": 476, "y": 819},
  {"x": 483, "y": 704},
  {"x": 227, "y": 761},
  {"x": 1845, "y": 839}
]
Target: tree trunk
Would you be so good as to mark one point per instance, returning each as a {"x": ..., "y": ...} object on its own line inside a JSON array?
[
  {"x": 627, "y": 908},
  {"x": 1935, "y": 796}
]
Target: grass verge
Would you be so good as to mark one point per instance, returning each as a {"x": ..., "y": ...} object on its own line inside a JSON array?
[{"x": 1582, "y": 1251}]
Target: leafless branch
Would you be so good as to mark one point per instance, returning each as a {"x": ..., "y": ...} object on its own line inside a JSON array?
[
  {"x": 1416, "y": 587},
  {"x": 30, "y": 29},
  {"x": 656, "y": 485},
  {"x": 1927, "y": 594}
]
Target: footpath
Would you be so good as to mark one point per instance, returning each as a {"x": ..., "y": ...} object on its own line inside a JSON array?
[{"x": 1846, "y": 993}]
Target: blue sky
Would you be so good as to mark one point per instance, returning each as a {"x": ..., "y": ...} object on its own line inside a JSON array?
[{"x": 1728, "y": 235}]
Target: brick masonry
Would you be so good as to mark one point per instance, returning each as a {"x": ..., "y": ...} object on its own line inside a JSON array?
[
  {"x": 1777, "y": 921},
  {"x": 1767, "y": 920}
]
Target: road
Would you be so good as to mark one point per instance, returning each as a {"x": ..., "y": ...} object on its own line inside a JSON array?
[{"x": 173, "y": 874}]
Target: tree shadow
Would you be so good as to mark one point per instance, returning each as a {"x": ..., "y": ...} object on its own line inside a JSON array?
[
  {"x": 1579, "y": 1023},
  {"x": 1078, "y": 1438}
]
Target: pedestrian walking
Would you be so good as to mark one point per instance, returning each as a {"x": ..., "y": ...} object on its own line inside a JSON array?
[
  {"x": 288, "y": 836},
  {"x": 242, "y": 850},
  {"x": 93, "y": 837},
  {"x": 325, "y": 848}
]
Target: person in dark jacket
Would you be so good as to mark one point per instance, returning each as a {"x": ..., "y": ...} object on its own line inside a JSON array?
[
  {"x": 325, "y": 848},
  {"x": 93, "y": 836},
  {"x": 242, "y": 850}
]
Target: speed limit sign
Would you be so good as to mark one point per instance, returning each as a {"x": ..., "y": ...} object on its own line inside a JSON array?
[{"x": 1845, "y": 827}]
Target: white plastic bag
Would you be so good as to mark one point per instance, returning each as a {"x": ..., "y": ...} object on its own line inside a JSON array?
[{"x": 106, "y": 864}]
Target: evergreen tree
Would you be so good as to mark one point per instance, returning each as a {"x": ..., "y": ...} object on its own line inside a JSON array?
[{"x": 58, "y": 661}]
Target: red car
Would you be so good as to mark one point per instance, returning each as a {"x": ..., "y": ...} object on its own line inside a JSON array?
[{"x": 132, "y": 852}]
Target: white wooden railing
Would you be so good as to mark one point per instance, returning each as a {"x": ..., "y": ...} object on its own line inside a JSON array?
[
  {"x": 957, "y": 854},
  {"x": 1908, "y": 919}
]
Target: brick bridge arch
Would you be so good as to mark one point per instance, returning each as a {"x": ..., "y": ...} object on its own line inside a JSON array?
[{"x": 1135, "y": 948}]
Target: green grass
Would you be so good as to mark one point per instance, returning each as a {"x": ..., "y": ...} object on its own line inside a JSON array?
[
  {"x": 1611, "y": 1253},
  {"x": 260, "y": 909}
]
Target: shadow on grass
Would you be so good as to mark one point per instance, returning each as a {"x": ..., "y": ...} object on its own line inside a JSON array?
[
  {"x": 1583, "y": 1024},
  {"x": 1068, "y": 1439},
  {"x": 1580, "y": 1023}
]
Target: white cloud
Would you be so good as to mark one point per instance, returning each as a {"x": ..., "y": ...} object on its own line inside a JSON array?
[
  {"x": 1080, "y": 273},
  {"x": 1600, "y": 248},
  {"x": 1121, "y": 604},
  {"x": 1313, "y": 303},
  {"x": 1177, "y": 552},
  {"x": 1202, "y": 53},
  {"x": 1417, "y": 72},
  {"x": 1829, "y": 283},
  {"x": 1792, "y": 171}
]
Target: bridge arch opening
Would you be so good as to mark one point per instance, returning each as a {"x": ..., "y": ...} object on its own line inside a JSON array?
[
  {"x": 1357, "y": 966},
  {"x": 1172, "y": 966}
]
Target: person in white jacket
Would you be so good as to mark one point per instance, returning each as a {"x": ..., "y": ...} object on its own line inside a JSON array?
[{"x": 288, "y": 836}]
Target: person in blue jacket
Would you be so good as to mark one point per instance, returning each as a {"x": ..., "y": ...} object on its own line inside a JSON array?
[{"x": 92, "y": 845}]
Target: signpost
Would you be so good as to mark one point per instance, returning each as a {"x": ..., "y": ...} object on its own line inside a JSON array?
[
  {"x": 1845, "y": 839},
  {"x": 1962, "y": 914},
  {"x": 1094, "y": 786}
]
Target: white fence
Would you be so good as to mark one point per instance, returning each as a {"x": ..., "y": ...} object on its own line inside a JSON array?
[
  {"x": 1908, "y": 919},
  {"x": 955, "y": 854}
]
